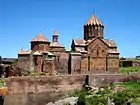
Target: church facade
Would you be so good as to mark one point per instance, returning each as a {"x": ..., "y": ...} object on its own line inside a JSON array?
[{"x": 90, "y": 54}]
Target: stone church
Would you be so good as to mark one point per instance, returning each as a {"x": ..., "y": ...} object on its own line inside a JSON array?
[{"x": 90, "y": 54}]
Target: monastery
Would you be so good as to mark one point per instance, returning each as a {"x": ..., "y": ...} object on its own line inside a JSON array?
[{"x": 90, "y": 54}]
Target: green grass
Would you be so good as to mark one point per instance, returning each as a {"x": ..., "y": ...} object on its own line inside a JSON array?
[
  {"x": 2, "y": 81},
  {"x": 131, "y": 91},
  {"x": 37, "y": 74},
  {"x": 129, "y": 85},
  {"x": 129, "y": 69},
  {"x": 132, "y": 85}
]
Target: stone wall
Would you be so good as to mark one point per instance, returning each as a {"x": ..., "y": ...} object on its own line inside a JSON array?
[
  {"x": 37, "y": 63},
  {"x": 61, "y": 61},
  {"x": 48, "y": 66},
  {"x": 103, "y": 79},
  {"x": 40, "y": 90},
  {"x": 40, "y": 46},
  {"x": 24, "y": 62},
  {"x": 57, "y": 49},
  {"x": 75, "y": 63},
  {"x": 44, "y": 89},
  {"x": 113, "y": 64}
]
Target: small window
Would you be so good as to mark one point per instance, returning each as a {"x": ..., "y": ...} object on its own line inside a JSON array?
[
  {"x": 58, "y": 59},
  {"x": 103, "y": 51}
]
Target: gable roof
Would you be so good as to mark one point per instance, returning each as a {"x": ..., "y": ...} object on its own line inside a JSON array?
[
  {"x": 113, "y": 51},
  {"x": 99, "y": 39},
  {"x": 40, "y": 38},
  {"x": 56, "y": 44},
  {"x": 111, "y": 43},
  {"x": 79, "y": 42},
  {"x": 24, "y": 52},
  {"x": 94, "y": 20},
  {"x": 82, "y": 42},
  {"x": 37, "y": 53}
]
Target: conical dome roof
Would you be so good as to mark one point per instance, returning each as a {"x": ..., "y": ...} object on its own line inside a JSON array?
[
  {"x": 55, "y": 33},
  {"x": 94, "y": 20},
  {"x": 40, "y": 38}
]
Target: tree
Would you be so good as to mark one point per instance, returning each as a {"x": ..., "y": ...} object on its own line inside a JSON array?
[{"x": 0, "y": 60}]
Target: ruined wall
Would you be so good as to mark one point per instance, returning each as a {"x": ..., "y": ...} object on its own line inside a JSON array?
[
  {"x": 127, "y": 63},
  {"x": 103, "y": 79},
  {"x": 40, "y": 90},
  {"x": 43, "y": 89}
]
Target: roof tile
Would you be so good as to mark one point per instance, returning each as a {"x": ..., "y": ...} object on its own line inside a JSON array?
[
  {"x": 56, "y": 44},
  {"x": 94, "y": 20},
  {"x": 24, "y": 52},
  {"x": 40, "y": 38},
  {"x": 79, "y": 41},
  {"x": 111, "y": 43}
]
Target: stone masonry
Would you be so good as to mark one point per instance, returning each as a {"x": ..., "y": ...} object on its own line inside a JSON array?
[{"x": 90, "y": 54}]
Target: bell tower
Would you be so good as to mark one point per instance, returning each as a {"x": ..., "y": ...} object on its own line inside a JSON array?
[
  {"x": 93, "y": 28},
  {"x": 55, "y": 36}
]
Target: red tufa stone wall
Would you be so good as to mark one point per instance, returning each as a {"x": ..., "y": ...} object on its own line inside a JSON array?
[
  {"x": 97, "y": 59},
  {"x": 24, "y": 62},
  {"x": 40, "y": 90},
  {"x": 75, "y": 63},
  {"x": 103, "y": 79},
  {"x": 40, "y": 46},
  {"x": 113, "y": 64},
  {"x": 90, "y": 31},
  {"x": 48, "y": 66},
  {"x": 38, "y": 66},
  {"x": 61, "y": 61},
  {"x": 57, "y": 49},
  {"x": 43, "y": 89}
]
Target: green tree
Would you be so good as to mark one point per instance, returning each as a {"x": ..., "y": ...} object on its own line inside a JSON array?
[{"x": 0, "y": 60}]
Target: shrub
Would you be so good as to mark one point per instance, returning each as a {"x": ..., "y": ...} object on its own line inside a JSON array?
[
  {"x": 2, "y": 81},
  {"x": 3, "y": 91}
]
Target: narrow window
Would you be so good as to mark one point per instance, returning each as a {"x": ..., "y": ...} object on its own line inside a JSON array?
[
  {"x": 58, "y": 59},
  {"x": 97, "y": 52}
]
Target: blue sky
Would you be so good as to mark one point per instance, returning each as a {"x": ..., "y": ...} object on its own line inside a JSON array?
[{"x": 22, "y": 20}]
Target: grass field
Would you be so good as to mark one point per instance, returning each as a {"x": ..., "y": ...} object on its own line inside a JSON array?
[
  {"x": 131, "y": 93},
  {"x": 129, "y": 69},
  {"x": 131, "y": 85},
  {"x": 132, "y": 88}
]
